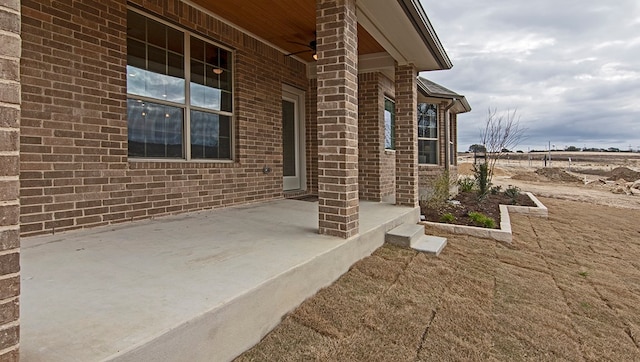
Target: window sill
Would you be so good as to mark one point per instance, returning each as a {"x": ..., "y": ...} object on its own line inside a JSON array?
[
  {"x": 136, "y": 160},
  {"x": 389, "y": 151}
]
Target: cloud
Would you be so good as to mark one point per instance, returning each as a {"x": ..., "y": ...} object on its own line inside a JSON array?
[{"x": 570, "y": 67}]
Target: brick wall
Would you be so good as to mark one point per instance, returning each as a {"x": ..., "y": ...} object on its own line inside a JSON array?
[
  {"x": 406, "y": 136},
  {"x": 311, "y": 130},
  {"x": 376, "y": 165},
  {"x": 9, "y": 182},
  {"x": 337, "y": 117},
  {"x": 75, "y": 170}
]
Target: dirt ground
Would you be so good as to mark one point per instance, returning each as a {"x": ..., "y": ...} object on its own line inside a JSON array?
[
  {"x": 597, "y": 178},
  {"x": 568, "y": 288}
]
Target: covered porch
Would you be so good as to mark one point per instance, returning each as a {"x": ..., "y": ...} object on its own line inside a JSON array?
[{"x": 197, "y": 286}]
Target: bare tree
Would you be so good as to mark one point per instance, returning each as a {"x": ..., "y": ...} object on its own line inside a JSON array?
[{"x": 502, "y": 131}]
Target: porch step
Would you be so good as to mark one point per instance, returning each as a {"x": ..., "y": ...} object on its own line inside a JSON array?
[
  {"x": 412, "y": 236},
  {"x": 430, "y": 244}
]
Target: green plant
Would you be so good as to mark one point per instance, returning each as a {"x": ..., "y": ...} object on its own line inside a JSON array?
[
  {"x": 583, "y": 274},
  {"x": 496, "y": 190},
  {"x": 466, "y": 184},
  {"x": 447, "y": 218},
  {"x": 512, "y": 192},
  {"x": 481, "y": 173},
  {"x": 482, "y": 220}
]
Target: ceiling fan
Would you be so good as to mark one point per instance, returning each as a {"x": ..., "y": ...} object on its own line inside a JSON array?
[{"x": 312, "y": 48}]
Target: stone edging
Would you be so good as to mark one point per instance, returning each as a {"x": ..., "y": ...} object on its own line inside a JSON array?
[{"x": 504, "y": 233}]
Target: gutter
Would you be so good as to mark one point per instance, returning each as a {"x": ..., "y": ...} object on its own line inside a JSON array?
[{"x": 415, "y": 12}]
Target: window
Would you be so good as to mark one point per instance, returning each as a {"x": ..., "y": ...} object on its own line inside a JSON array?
[
  {"x": 453, "y": 154},
  {"x": 179, "y": 90},
  {"x": 427, "y": 133},
  {"x": 389, "y": 124}
]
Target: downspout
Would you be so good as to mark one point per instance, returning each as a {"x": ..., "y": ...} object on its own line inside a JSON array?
[{"x": 447, "y": 135}]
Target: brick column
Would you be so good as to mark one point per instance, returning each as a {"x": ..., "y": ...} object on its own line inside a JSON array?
[
  {"x": 9, "y": 181},
  {"x": 337, "y": 69},
  {"x": 406, "y": 136}
]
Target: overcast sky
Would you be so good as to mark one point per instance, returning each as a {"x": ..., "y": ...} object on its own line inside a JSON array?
[{"x": 570, "y": 67}]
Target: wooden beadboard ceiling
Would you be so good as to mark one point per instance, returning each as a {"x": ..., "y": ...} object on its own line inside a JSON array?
[{"x": 281, "y": 22}]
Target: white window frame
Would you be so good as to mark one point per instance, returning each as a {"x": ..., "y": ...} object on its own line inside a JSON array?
[
  {"x": 187, "y": 107},
  {"x": 436, "y": 139}
]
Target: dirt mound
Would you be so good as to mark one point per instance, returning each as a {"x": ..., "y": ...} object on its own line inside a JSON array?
[
  {"x": 557, "y": 174},
  {"x": 528, "y": 176},
  {"x": 623, "y": 173}
]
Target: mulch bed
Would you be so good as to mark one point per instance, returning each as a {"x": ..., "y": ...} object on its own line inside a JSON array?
[{"x": 469, "y": 202}]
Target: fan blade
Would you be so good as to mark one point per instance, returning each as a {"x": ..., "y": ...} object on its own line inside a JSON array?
[{"x": 300, "y": 52}]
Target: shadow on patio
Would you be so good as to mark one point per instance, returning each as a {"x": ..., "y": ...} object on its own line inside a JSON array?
[{"x": 198, "y": 286}]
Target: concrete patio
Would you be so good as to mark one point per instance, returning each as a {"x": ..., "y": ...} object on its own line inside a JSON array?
[{"x": 193, "y": 287}]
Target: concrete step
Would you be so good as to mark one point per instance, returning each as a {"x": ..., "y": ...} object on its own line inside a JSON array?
[
  {"x": 404, "y": 235},
  {"x": 430, "y": 244}
]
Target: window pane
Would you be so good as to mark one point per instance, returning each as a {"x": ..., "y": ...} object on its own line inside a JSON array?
[
  {"x": 205, "y": 97},
  {"x": 175, "y": 41},
  {"x": 197, "y": 49},
  {"x": 210, "y": 136},
  {"x": 155, "y": 130},
  {"x": 157, "y": 59},
  {"x": 136, "y": 54},
  {"x": 453, "y": 153},
  {"x": 288, "y": 138},
  {"x": 427, "y": 121},
  {"x": 176, "y": 65},
  {"x": 427, "y": 152},
  {"x": 389, "y": 124},
  {"x": 136, "y": 26},
  {"x": 145, "y": 83}
]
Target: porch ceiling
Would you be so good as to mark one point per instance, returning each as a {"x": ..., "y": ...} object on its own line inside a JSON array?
[
  {"x": 273, "y": 21},
  {"x": 399, "y": 28}
]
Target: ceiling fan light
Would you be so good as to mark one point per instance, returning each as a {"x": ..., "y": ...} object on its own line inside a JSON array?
[
  {"x": 315, "y": 56},
  {"x": 217, "y": 70}
]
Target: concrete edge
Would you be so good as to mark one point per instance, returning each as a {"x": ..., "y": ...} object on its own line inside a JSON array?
[
  {"x": 228, "y": 330},
  {"x": 503, "y": 234},
  {"x": 539, "y": 210}
]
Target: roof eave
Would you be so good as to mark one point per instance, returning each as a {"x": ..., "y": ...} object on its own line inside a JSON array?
[{"x": 423, "y": 26}]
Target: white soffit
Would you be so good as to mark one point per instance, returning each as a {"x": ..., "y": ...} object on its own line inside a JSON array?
[{"x": 387, "y": 22}]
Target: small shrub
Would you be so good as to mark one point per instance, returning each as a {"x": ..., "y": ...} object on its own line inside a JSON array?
[
  {"x": 466, "y": 184},
  {"x": 481, "y": 173},
  {"x": 447, "y": 218},
  {"x": 496, "y": 190},
  {"x": 513, "y": 192},
  {"x": 482, "y": 220}
]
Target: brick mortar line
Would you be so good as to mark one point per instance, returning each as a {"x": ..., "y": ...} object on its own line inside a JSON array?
[
  {"x": 10, "y": 105},
  {"x": 7, "y": 81},
  {"x": 7, "y": 300},
  {"x": 9, "y": 276},
  {"x": 10, "y": 10},
  {"x": 17, "y": 35},
  {"x": 9, "y": 228},
  {"x": 10, "y": 349},
  {"x": 8, "y": 252}
]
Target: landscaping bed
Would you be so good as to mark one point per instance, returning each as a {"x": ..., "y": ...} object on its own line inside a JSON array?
[{"x": 468, "y": 202}]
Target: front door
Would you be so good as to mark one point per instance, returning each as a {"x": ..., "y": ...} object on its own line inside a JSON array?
[{"x": 291, "y": 141}]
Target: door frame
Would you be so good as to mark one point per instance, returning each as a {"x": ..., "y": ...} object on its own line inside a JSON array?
[{"x": 297, "y": 96}]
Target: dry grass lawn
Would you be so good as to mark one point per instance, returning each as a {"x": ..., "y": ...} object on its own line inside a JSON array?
[{"x": 567, "y": 289}]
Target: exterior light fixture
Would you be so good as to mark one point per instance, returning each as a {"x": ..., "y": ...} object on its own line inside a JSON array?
[{"x": 315, "y": 56}]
